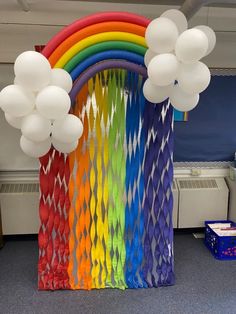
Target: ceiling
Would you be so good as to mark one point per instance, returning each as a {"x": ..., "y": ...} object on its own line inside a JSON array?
[
  {"x": 20, "y": 30},
  {"x": 222, "y": 3}
]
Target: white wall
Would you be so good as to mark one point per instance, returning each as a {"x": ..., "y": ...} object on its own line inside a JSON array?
[
  {"x": 11, "y": 156},
  {"x": 20, "y": 31}
]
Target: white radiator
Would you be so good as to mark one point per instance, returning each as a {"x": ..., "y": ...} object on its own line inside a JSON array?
[
  {"x": 19, "y": 208},
  {"x": 195, "y": 200},
  {"x": 201, "y": 199}
]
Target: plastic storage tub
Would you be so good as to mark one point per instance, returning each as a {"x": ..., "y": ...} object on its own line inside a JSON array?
[{"x": 222, "y": 247}]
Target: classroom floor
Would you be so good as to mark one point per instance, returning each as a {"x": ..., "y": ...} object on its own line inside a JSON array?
[{"x": 203, "y": 285}]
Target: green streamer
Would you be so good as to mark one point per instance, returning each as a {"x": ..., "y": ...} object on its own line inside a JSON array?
[{"x": 116, "y": 177}]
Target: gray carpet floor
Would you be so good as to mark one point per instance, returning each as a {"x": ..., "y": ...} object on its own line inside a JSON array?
[{"x": 203, "y": 285}]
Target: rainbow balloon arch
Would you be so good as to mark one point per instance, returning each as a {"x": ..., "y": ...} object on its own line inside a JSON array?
[{"x": 106, "y": 208}]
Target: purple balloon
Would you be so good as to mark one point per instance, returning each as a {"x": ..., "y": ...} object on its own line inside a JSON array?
[{"x": 108, "y": 64}]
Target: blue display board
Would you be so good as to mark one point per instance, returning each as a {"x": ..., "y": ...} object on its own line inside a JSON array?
[{"x": 210, "y": 132}]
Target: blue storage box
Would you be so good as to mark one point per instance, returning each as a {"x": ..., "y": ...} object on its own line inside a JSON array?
[{"x": 222, "y": 247}]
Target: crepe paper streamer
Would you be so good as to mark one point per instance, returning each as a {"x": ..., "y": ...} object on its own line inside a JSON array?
[
  {"x": 106, "y": 273},
  {"x": 43, "y": 280},
  {"x": 149, "y": 164},
  {"x": 159, "y": 239},
  {"x": 99, "y": 249},
  {"x": 111, "y": 176},
  {"x": 89, "y": 41},
  {"x": 71, "y": 219},
  {"x": 143, "y": 227},
  {"x": 134, "y": 184},
  {"x": 116, "y": 174},
  {"x": 82, "y": 250},
  {"x": 112, "y": 54},
  {"x": 53, "y": 250},
  {"x": 91, "y": 20},
  {"x": 106, "y": 209}
]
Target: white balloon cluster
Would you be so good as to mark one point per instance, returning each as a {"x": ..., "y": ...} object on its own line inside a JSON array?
[
  {"x": 172, "y": 60},
  {"x": 38, "y": 103}
]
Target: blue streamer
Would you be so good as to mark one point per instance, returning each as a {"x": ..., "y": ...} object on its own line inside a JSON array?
[{"x": 134, "y": 212}]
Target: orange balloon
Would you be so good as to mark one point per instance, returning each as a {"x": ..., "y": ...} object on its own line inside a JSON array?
[{"x": 92, "y": 30}]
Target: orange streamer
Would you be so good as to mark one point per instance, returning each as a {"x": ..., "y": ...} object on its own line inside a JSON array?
[{"x": 81, "y": 211}]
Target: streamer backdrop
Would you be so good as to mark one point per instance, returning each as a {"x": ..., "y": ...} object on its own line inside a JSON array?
[{"x": 106, "y": 209}]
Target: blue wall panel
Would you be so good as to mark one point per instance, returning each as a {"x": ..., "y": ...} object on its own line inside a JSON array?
[{"x": 210, "y": 133}]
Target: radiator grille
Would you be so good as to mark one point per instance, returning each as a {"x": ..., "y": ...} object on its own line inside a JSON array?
[
  {"x": 198, "y": 184},
  {"x": 19, "y": 188}
]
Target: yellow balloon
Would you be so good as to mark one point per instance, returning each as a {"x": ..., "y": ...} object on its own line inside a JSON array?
[{"x": 94, "y": 39}]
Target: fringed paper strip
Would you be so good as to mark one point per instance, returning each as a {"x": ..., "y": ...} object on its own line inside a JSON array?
[{"x": 106, "y": 210}]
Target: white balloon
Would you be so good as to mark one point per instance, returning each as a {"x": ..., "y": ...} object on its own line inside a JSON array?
[
  {"x": 156, "y": 94},
  {"x": 211, "y": 36},
  {"x": 191, "y": 46},
  {"x": 161, "y": 35},
  {"x": 35, "y": 149},
  {"x": 16, "y": 101},
  {"x": 65, "y": 148},
  {"x": 35, "y": 127},
  {"x": 183, "y": 101},
  {"x": 193, "y": 78},
  {"x": 149, "y": 55},
  {"x": 178, "y": 18},
  {"x": 13, "y": 121},
  {"x": 32, "y": 70},
  {"x": 53, "y": 102},
  {"x": 16, "y": 81},
  {"x": 68, "y": 129},
  {"x": 163, "y": 69},
  {"x": 61, "y": 78}
]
